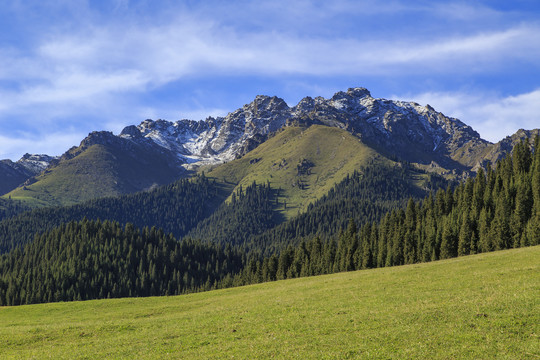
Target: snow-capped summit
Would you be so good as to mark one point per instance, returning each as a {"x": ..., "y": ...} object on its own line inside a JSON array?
[
  {"x": 215, "y": 140},
  {"x": 36, "y": 163},
  {"x": 405, "y": 130}
]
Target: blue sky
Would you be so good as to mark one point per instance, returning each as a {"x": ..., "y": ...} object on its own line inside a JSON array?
[{"x": 68, "y": 67}]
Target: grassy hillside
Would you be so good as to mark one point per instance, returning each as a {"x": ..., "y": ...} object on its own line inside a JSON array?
[
  {"x": 483, "y": 307},
  {"x": 304, "y": 163},
  {"x": 97, "y": 171},
  {"x": 77, "y": 179}
]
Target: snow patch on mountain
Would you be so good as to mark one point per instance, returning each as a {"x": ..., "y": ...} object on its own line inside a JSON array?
[
  {"x": 396, "y": 125},
  {"x": 36, "y": 163}
]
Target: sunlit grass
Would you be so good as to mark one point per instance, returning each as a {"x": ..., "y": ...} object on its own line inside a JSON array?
[{"x": 476, "y": 307}]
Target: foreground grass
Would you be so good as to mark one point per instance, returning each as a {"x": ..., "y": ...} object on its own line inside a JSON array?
[{"x": 484, "y": 307}]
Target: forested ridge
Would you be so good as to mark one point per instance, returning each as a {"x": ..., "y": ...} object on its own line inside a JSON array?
[
  {"x": 175, "y": 208},
  {"x": 496, "y": 210},
  {"x": 94, "y": 260},
  {"x": 196, "y": 208},
  {"x": 251, "y": 211},
  {"x": 10, "y": 208},
  {"x": 365, "y": 196}
]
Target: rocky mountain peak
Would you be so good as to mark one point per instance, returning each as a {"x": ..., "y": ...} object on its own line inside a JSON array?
[
  {"x": 262, "y": 107},
  {"x": 351, "y": 93},
  {"x": 358, "y": 92},
  {"x": 36, "y": 163},
  {"x": 13, "y": 174},
  {"x": 130, "y": 131},
  {"x": 267, "y": 103},
  {"x": 98, "y": 137},
  {"x": 405, "y": 130}
]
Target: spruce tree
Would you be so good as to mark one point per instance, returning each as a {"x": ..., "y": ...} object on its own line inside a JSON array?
[
  {"x": 465, "y": 236},
  {"x": 449, "y": 240}
]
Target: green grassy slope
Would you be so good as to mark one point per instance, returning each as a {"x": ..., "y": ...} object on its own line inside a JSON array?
[
  {"x": 98, "y": 171},
  {"x": 476, "y": 307},
  {"x": 329, "y": 153},
  {"x": 81, "y": 178}
]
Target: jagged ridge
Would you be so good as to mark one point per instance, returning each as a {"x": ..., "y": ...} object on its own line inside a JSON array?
[{"x": 405, "y": 130}]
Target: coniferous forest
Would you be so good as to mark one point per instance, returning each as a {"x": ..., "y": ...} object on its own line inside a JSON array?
[
  {"x": 358, "y": 225},
  {"x": 10, "y": 208},
  {"x": 496, "y": 210},
  {"x": 174, "y": 208},
  {"x": 93, "y": 260}
]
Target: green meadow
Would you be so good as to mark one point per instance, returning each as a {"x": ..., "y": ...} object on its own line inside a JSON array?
[
  {"x": 331, "y": 153},
  {"x": 475, "y": 307}
]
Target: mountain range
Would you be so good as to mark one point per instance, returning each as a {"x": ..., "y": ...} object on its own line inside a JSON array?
[
  {"x": 268, "y": 192},
  {"x": 349, "y": 130}
]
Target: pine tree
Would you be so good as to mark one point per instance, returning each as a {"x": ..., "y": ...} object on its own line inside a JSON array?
[
  {"x": 500, "y": 227},
  {"x": 465, "y": 237},
  {"x": 449, "y": 240},
  {"x": 535, "y": 178}
]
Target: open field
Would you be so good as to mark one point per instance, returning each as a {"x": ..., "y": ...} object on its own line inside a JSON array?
[{"x": 476, "y": 307}]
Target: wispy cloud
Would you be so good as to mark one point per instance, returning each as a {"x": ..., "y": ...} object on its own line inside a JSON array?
[
  {"x": 52, "y": 143},
  {"x": 110, "y": 60},
  {"x": 106, "y": 63}
]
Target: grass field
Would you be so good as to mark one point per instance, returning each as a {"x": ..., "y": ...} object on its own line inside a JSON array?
[{"x": 477, "y": 307}]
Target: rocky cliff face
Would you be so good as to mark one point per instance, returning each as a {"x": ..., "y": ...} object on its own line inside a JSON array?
[
  {"x": 497, "y": 151},
  {"x": 216, "y": 140},
  {"x": 405, "y": 130}
]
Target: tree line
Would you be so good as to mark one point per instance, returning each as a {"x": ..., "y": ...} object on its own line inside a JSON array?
[
  {"x": 366, "y": 195},
  {"x": 175, "y": 208},
  {"x": 92, "y": 259},
  {"x": 95, "y": 260},
  {"x": 251, "y": 211},
  {"x": 10, "y": 208}
]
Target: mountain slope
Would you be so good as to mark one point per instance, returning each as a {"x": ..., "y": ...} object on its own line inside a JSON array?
[
  {"x": 10, "y": 208},
  {"x": 498, "y": 151},
  {"x": 216, "y": 140},
  {"x": 302, "y": 163},
  {"x": 365, "y": 196},
  {"x": 400, "y": 130},
  {"x": 13, "y": 174},
  {"x": 404, "y": 130},
  {"x": 103, "y": 165},
  {"x": 157, "y": 152},
  {"x": 175, "y": 208}
]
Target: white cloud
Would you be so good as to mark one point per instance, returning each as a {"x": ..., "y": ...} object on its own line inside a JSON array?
[
  {"x": 494, "y": 117},
  {"x": 48, "y": 143},
  {"x": 194, "y": 47},
  {"x": 94, "y": 67},
  {"x": 129, "y": 56}
]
